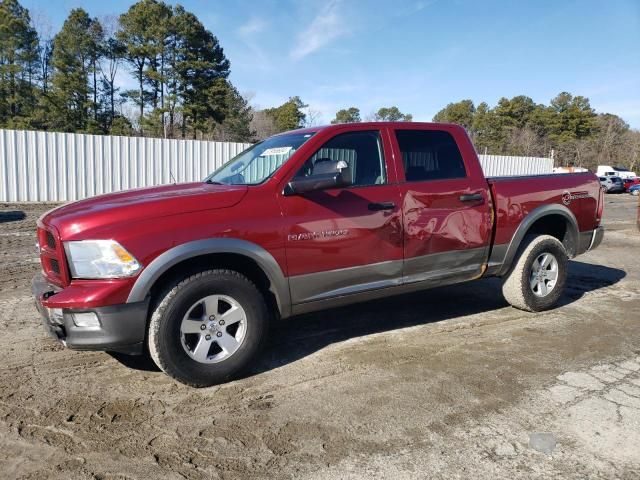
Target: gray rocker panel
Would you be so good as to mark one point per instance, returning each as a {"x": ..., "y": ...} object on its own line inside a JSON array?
[{"x": 456, "y": 265}]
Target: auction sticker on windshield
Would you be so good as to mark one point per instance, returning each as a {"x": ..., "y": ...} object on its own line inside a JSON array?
[{"x": 276, "y": 151}]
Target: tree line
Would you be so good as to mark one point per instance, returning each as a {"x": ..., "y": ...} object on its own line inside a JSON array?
[
  {"x": 568, "y": 129},
  {"x": 72, "y": 82}
]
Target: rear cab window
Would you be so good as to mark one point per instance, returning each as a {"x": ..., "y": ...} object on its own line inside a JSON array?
[{"x": 430, "y": 155}]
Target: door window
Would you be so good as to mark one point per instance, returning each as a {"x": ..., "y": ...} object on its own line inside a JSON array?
[
  {"x": 362, "y": 151},
  {"x": 429, "y": 155}
]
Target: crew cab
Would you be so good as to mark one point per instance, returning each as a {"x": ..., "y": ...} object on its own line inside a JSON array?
[{"x": 303, "y": 221}]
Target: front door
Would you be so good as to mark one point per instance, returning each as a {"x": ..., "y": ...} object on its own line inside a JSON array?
[
  {"x": 345, "y": 240},
  {"x": 446, "y": 205}
]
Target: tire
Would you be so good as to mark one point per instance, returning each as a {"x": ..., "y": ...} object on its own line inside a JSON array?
[
  {"x": 190, "y": 316},
  {"x": 524, "y": 287}
]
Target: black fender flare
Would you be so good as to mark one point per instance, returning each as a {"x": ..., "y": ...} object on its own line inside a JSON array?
[
  {"x": 571, "y": 242},
  {"x": 173, "y": 256}
]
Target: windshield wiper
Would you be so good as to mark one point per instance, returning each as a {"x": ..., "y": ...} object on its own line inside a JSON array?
[{"x": 213, "y": 182}]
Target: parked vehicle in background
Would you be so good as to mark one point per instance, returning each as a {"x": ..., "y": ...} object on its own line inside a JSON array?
[
  {"x": 608, "y": 171},
  {"x": 300, "y": 222},
  {"x": 635, "y": 189},
  {"x": 630, "y": 182},
  {"x": 570, "y": 169},
  {"x": 612, "y": 184}
]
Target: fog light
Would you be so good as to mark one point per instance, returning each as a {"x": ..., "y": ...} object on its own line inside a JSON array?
[{"x": 85, "y": 320}]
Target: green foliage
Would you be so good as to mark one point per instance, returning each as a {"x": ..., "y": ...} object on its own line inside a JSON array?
[
  {"x": 121, "y": 126},
  {"x": 141, "y": 33},
  {"x": 516, "y": 112},
  {"x": 289, "y": 115},
  {"x": 200, "y": 66},
  {"x": 392, "y": 114},
  {"x": 461, "y": 112},
  {"x": 19, "y": 59},
  {"x": 568, "y": 125},
  {"x": 347, "y": 115},
  {"x": 231, "y": 115},
  {"x": 177, "y": 63},
  {"x": 76, "y": 51},
  {"x": 570, "y": 118}
]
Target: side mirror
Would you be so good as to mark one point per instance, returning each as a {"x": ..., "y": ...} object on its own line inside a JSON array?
[{"x": 333, "y": 175}]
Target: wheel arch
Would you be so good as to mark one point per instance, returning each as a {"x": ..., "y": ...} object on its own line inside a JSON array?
[
  {"x": 555, "y": 220},
  {"x": 248, "y": 258}
]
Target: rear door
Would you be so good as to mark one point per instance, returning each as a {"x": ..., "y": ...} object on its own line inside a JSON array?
[
  {"x": 445, "y": 202},
  {"x": 346, "y": 240}
]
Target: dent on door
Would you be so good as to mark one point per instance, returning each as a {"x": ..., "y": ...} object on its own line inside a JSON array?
[{"x": 443, "y": 237}]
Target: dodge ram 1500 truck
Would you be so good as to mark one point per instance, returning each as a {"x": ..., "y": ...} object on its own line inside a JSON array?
[{"x": 302, "y": 221}]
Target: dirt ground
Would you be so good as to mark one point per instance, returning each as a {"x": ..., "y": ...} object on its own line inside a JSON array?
[{"x": 449, "y": 383}]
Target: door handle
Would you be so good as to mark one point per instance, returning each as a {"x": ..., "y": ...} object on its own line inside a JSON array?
[
  {"x": 377, "y": 206},
  {"x": 471, "y": 197}
]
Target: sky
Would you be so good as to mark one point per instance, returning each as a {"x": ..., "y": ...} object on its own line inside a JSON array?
[{"x": 417, "y": 55}]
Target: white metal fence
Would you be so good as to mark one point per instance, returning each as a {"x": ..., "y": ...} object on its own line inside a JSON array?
[
  {"x": 59, "y": 167},
  {"x": 508, "y": 166}
]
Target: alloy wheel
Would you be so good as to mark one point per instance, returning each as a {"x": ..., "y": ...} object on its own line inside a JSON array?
[{"x": 213, "y": 329}]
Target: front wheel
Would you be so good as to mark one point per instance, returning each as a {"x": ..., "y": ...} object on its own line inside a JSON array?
[
  {"x": 538, "y": 278},
  {"x": 208, "y": 328}
]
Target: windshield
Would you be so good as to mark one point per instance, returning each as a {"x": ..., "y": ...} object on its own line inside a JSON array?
[{"x": 260, "y": 161}]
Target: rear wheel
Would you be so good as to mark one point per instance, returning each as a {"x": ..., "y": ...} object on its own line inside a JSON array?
[
  {"x": 538, "y": 278},
  {"x": 208, "y": 328}
]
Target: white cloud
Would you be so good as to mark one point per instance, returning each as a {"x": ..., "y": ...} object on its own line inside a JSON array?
[
  {"x": 253, "y": 54},
  {"x": 327, "y": 26},
  {"x": 253, "y": 26}
]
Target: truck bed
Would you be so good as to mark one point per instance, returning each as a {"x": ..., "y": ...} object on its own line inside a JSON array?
[{"x": 516, "y": 197}]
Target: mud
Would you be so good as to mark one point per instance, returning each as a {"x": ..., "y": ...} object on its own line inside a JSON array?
[{"x": 448, "y": 383}]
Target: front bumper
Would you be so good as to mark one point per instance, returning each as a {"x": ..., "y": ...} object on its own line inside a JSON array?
[{"x": 122, "y": 328}]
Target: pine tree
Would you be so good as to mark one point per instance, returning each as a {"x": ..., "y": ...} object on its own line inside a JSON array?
[
  {"x": 347, "y": 115},
  {"x": 289, "y": 115},
  {"x": 233, "y": 110},
  {"x": 19, "y": 60},
  {"x": 76, "y": 52},
  {"x": 136, "y": 36},
  {"x": 199, "y": 62}
]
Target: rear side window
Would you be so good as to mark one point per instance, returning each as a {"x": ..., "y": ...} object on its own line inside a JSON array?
[{"x": 429, "y": 155}]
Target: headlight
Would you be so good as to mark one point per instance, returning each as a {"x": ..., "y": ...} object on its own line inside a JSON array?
[{"x": 100, "y": 259}]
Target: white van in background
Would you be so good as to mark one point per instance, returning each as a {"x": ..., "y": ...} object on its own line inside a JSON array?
[{"x": 608, "y": 171}]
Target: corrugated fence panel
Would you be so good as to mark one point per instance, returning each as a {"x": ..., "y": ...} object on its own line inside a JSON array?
[
  {"x": 509, "y": 166},
  {"x": 60, "y": 167}
]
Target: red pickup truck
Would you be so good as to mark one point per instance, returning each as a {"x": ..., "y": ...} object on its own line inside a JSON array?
[{"x": 303, "y": 221}]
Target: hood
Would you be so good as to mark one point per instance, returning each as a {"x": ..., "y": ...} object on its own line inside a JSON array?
[{"x": 140, "y": 204}]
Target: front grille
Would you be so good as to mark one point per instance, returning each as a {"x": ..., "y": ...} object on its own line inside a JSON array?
[{"x": 52, "y": 257}]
